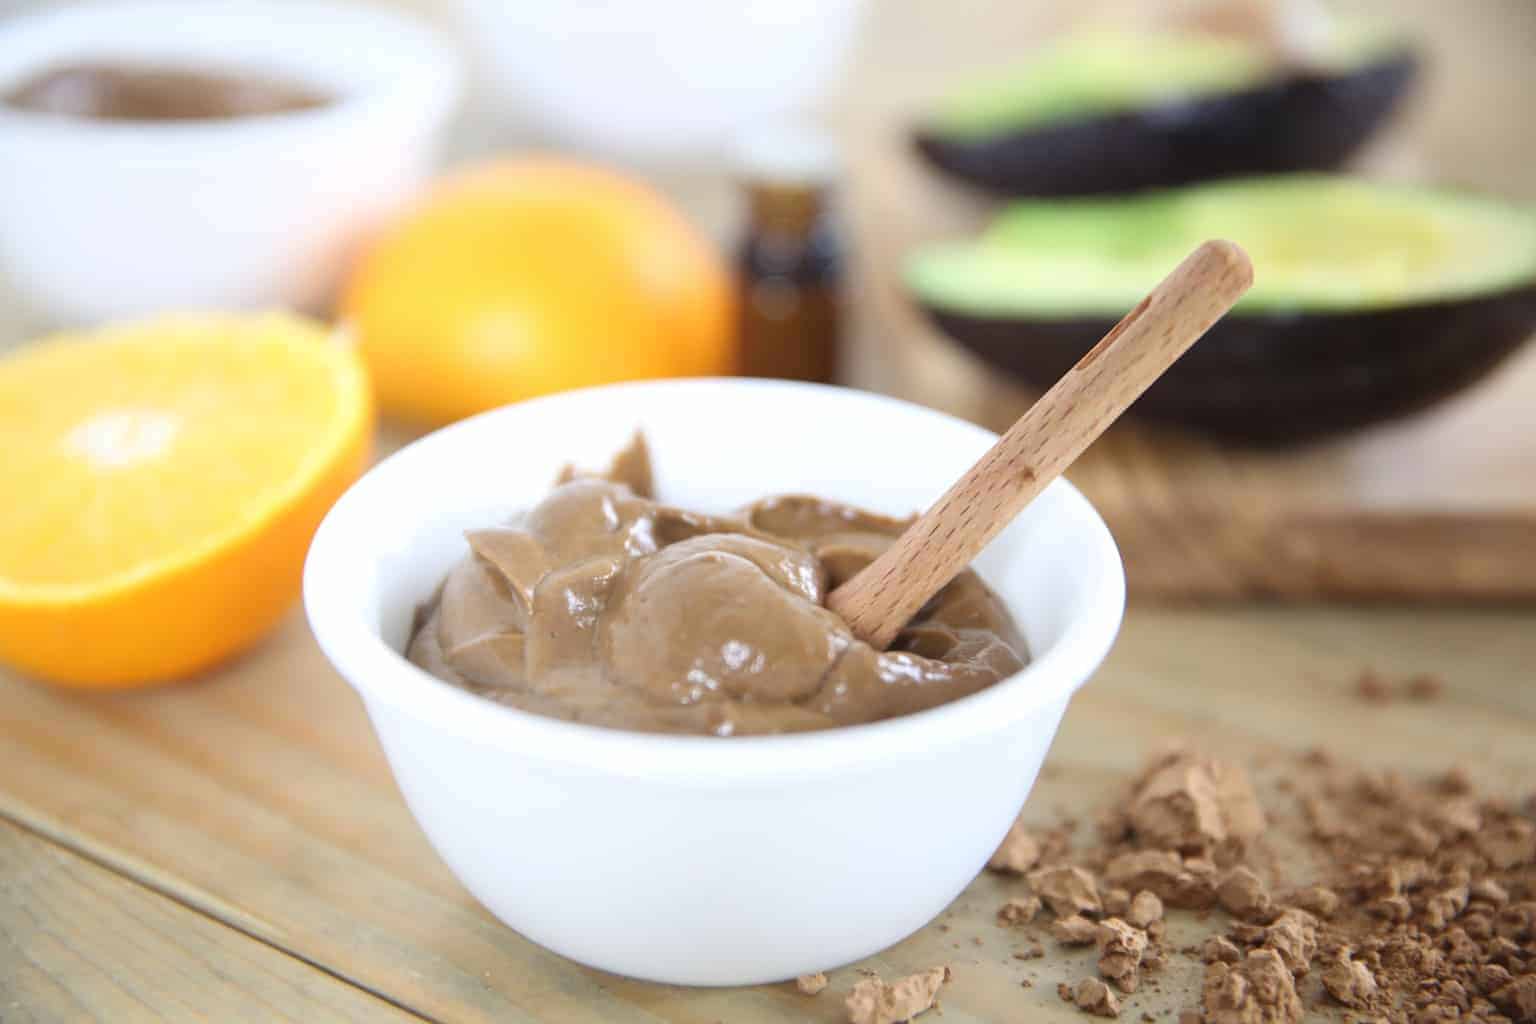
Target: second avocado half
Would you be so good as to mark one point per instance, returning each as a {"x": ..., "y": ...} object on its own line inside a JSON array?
[{"x": 1369, "y": 301}]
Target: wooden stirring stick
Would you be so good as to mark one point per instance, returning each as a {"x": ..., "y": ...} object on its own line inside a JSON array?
[{"x": 883, "y": 597}]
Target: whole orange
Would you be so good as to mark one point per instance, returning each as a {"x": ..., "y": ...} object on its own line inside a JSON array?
[{"x": 527, "y": 276}]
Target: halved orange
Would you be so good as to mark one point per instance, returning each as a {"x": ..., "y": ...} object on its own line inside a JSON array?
[{"x": 162, "y": 484}]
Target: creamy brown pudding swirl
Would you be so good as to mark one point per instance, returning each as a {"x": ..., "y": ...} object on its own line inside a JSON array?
[{"x": 603, "y": 605}]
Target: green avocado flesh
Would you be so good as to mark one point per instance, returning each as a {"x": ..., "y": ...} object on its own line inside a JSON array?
[
  {"x": 1318, "y": 244},
  {"x": 1108, "y": 72}
]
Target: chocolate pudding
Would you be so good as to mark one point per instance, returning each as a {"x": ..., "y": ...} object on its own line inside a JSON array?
[
  {"x": 603, "y": 605},
  {"x": 108, "y": 91}
]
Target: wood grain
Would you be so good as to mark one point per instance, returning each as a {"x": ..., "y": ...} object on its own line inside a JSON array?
[
  {"x": 258, "y": 798},
  {"x": 80, "y": 943},
  {"x": 1043, "y": 442}
]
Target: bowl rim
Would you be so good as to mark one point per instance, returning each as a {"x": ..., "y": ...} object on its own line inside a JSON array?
[
  {"x": 384, "y": 678},
  {"x": 435, "y": 74}
]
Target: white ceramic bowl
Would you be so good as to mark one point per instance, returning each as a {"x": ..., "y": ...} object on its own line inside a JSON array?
[
  {"x": 660, "y": 77},
  {"x": 699, "y": 860},
  {"x": 103, "y": 219}
]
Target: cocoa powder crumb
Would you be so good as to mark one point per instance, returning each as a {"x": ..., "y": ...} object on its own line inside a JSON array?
[
  {"x": 1120, "y": 950},
  {"x": 1350, "y": 982},
  {"x": 873, "y": 1001},
  {"x": 1518, "y": 998},
  {"x": 1018, "y": 911},
  {"x": 1259, "y": 990},
  {"x": 1145, "y": 909},
  {"x": 1316, "y": 900},
  {"x": 1018, "y": 852},
  {"x": 1154, "y": 870},
  {"x": 1243, "y": 895},
  {"x": 1489, "y": 891},
  {"x": 1325, "y": 818},
  {"x": 1067, "y": 890},
  {"x": 1508, "y": 845},
  {"x": 1074, "y": 931},
  {"x": 1219, "y": 949},
  {"x": 1185, "y": 884},
  {"x": 1188, "y": 802},
  {"x": 811, "y": 984},
  {"x": 1420, "y": 838},
  {"x": 1370, "y": 686},
  {"x": 1293, "y": 936},
  {"x": 1093, "y": 996},
  {"x": 1407, "y": 899},
  {"x": 1425, "y": 686},
  {"x": 1392, "y": 908}
]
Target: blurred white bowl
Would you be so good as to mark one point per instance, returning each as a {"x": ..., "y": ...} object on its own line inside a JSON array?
[
  {"x": 103, "y": 219},
  {"x": 658, "y": 77},
  {"x": 691, "y": 859}
]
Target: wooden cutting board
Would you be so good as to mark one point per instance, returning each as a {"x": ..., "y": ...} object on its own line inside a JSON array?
[{"x": 1441, "y": 506}]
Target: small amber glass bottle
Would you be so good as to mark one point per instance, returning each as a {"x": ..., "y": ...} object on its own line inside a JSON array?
[{"x": 789, "y": 263}]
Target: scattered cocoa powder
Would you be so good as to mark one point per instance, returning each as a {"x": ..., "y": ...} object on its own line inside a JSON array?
[
  {"x": 873, "y": 1001},
  {"x": 811, "y": 984},
  {"x": 1416, "y": 900}
]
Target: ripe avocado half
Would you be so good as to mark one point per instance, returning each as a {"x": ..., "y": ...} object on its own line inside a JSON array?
[
  {"x": 1107, "y": 114},
  {"x": 1369, "y": 300}
]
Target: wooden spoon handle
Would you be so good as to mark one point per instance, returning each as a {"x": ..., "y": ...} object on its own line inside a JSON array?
[{"x": 885, "y": 595}]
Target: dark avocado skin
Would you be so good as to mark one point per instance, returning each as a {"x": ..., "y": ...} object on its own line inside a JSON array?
[
  {"x": 1273, "y": 379},
  {"x": 1301, "y": 121}
]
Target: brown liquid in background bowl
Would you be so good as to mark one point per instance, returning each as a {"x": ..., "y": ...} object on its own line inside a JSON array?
[
  {"x": 603, "y": 605},
  {"x": 109, "y": 91}
]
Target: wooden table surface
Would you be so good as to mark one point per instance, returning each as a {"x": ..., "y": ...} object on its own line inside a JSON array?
[{"x": 235, "y": 849}]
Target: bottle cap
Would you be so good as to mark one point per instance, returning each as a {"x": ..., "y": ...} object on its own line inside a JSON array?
[{"x": 786, "y": 154}]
